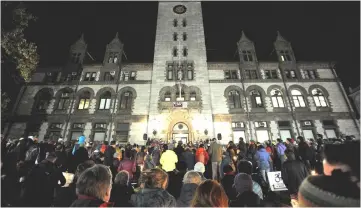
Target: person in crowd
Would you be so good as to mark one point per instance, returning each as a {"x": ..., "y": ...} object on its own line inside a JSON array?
[
  {"x": 32, "y": 151},
  {"x": 65, "y": 196},
  {"x": 227, "y": 182},
  {"x": 232, "y": 149},
  {"x": 210, "y": 194},
  {"x": 200, "y": 168},
  {"x": 153, "y": 194},
  {"x": 175, "y": 179},
  {"x": 335, "y": 190},
  {"x": 148, "y": 160},
  {"x": 242, "y": 148},
  {"x": 245, "y": 196},
  {"x": 179, "y": 151},
  {"x": 189, "y": 158},
  {"x": 305, "y": 152},
  {"x": 127, "y": 164},
  {"x": 247, "y": 167},
  {"x": 104, "y": 146},
  {"x": 156, "y": 155},
  {"x": 79, "y": 152},
  {"x": 61, "y": 157},
  {"x": 93, "y": 187},
  {"x": 115, "y": 164},
  {"x": 41, "y": 183},
  {"x": 263, "y": 161},
  {"x": 215, "y": 152},
  {"x": 109, "y": 154},
  {"x": 226, "y": 160},
  {"x": 293, "y": 173},
  {"x": 280, "y": 147},
  {"x": 191, "y": 181},
  {"x": 168, "y": 159},
  {"x": 121, "y": 190},
  {"x": 202, "y": 155},
  {"x": 140, "y": 156}
]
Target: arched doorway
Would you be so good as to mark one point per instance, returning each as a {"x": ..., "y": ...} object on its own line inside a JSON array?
[{"x": 180, "y": 132}]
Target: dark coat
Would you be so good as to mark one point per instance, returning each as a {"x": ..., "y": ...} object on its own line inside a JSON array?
[
  {"x": 80, "y": 156},
  {"x": 86, "y": 201},
  {"x": 227, "y": 183},
  {"x": 187, "y": 192},
  {"x": 120, "y": 195},
  {"x": 65, "y": 196},
  {"x": 179, "y": 150},
  {"x": 108, "y": 156},
  {"x": 41, "y": 183},
  {"x": 188, "y": 157},
  {"x": 61, "y": 160},
  {"x": 175, "y": 182},
  {"x": 246, "y": 199},
  {"x": 304, "y": 151},
  {"x": 293, "y": 172},
  {"x": 153, "y": 198}
]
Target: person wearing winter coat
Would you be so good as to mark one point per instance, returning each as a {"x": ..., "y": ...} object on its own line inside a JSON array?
[
  {"x": 148, "y": 160},
  {"x": 215, "y": 152},
  {"x": 263, "y": 160},
  {"x": 226, "y": 160},
  {"x": 156, "y": 156},
  {"x": 202, "y": 155},
  {"x": 293, "y": 172},
  {"x": 245, "y": 196},
  {"x": 280, "y": 147},
  {"x": 88, "y": 196},
  {"x": 127, "y": 164},
  {"x": 227, "y": 182},
  {"x": 305, "y": 152},
  {"x": 40, "y": 185},
  {"x": 191, "y": 181},
  {"x": 189, "y": 158},
  {"x": 168, "y": 159},
  {"x": 121, "y": 190},
  {"x": 242, "y": 148},
  {"x": 153, "y": 192},
  {"x": 109, "y": 153},
  {"x": 80, "y": 155}
]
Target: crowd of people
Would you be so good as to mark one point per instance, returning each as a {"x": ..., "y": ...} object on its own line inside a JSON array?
[{"x": 202, "y": 174}]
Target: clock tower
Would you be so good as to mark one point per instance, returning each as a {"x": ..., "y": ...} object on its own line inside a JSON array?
[{"x": 180, "y": 91}]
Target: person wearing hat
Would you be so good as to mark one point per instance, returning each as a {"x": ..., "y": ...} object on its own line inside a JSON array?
[
  {"x": 41, "y": 183},
  {"x": 245, "y": 196},
  {"x": 199, "y": 167}
]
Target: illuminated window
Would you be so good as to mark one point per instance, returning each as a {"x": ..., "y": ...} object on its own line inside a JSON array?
[
  {"x": 180, "y": 96},
  {"x": 126, "y": 100},
  {"x": 84, "y": 101},
  {"x": 290, "y": 74},
  {"x": 285, "y": 55},
  {"x": 256, "y": 99},
  {"x": 90, "y": 76},
  {"x": 193, "y": 96},
  {"x": 133, "y": 75},
  {"x": 310, "y": 74},
  {"x": 105, "y": 100},
  {"x": 230, "y": 74},
  {"x": 277, "y": 99},
  {"x": 271, "y": 74},
  {"x": 297, "y": 98},
  {"x": 167, "y": 96},
  {"x": 319, "y": 98}
]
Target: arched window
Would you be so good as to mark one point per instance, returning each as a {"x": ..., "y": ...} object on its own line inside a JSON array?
[
  {"x": 115, "y": 59},
  {"x": 234, "y": 100},
  {"x": 297, "y": 98},
  {"x": 84, "y": 101},
  {"x": 277, "y": 99},
  {"x": 104, "y": 101},
  {"x": 42, "y": 100},
  {"x": 126, "y": 100},
  {"x": 193, "y": 96},
  {"x": 319, "y": 98},
  {"x": 167, "y": 96},
  {"x": 64, "y": 101},
  {"x": 256, "y": 99}
]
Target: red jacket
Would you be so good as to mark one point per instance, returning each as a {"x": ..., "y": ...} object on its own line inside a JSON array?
[{"x": 202, "y": 156}]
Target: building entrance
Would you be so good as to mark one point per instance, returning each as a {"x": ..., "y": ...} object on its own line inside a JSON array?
[{"x": 180, "y": 133}]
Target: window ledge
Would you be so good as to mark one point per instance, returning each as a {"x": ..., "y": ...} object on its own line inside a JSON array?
[
  {"x": 280, "y": 109},
  {"x": 124, "y": 111},
  {"x": 60, "y": 111},
  {"x": 302, "y": 109},
  {"x": 81, "y": 111},
  {"x": 258, "y": 110},
  {"x": 324, "y": 109},
  {"x": 236, "y": 110}
]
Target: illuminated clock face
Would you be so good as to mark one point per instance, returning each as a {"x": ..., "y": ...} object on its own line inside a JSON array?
[{"x": 179, "y": 9}]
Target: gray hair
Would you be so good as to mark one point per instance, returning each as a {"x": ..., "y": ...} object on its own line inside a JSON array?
[
  {"x": 94, "y": 181},
  {"x": 122, "y": 178},
  {"x": 192, "y": 177}
]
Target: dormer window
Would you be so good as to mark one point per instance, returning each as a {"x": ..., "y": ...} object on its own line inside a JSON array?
[
  {"x": 285, "y": 55},
  {"x": 247, "y": 56}
]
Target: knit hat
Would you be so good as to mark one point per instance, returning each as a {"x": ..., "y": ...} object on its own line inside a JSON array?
[
  {"x": 199, "y": 167},
  {"x": 242, "y": 183},
  {"x": 336, "y": 190}
]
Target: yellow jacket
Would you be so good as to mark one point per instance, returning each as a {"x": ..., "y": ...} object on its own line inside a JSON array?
[{"x": 168, "y": 160}]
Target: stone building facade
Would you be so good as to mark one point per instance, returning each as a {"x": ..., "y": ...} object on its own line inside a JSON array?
[{"x": 181, "y": 95}]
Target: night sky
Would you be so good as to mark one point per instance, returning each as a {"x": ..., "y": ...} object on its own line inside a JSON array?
[{"x": 318, "y": 31}]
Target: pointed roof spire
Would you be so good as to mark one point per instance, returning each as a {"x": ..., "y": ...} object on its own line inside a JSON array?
[
  {"x": 82, "y": 36},
  {"x": 279, "y": 37},
  {"x": 116, "y": 36},
  {"x": 81, "y": 40},
  {"x": 244, "y": 37},
  {"x": 116, "y": 39}
]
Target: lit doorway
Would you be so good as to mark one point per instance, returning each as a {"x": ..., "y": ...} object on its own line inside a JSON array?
[{"x": 180, "y": 133}]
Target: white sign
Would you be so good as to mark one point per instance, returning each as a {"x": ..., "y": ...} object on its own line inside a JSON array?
[
  {"x": 275, "y": 181},
  {"x": 180, "y": 104}
]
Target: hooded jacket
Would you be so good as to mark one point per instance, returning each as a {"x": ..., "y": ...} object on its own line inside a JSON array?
[
  {"x": 80, "y": 143},
  {"x": 187, "y": 192},
  {"x": 155, "y": 197},
  {"x": 263, "y": 159}
]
